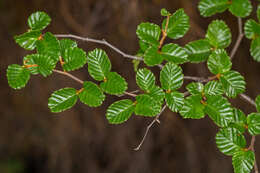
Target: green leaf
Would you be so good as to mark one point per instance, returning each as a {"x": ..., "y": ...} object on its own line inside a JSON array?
[
  {"x": 240, "y": 8},
  {"x": 258, "y": 12},
  {"x": 145, "y": 79},
  {"x": 147, "y": 106},
  {"x": 28, "y": 40},
  {"x": 49, "y": 45},
  {"x": 239, "y": 120},
  {"x": 210, "y": 7},
  {"x": 120, "y": 111},
  {"x": 230, "y": 140},
  {"x": 114, "y": 84},
  {"x": 195, "y": 88},
  {"x": 178, "y": 24},
  {"x": 243, "y": 161},
  {"x": 39, "y": 20},
  {"x": 164, "y": 12},
  {"x": 257, "y": 102},
  {"x": 143, "y": 46},
  {"x": 17, "y": 76},
  {"x": 62, "y": 99},
  {"x": 233, "y": 83},
  {"x": 157, "y": 94},
  {"x": 253, "y": 121},
  {"x": 66, "y": 44},
  {"x": 171, "y": 77},
  {"x": 174, "y": 53},
  {"x": 219, "y": 110},
  {"x": 219, "y": 62},
  {"x": 91, "y": 95},
  {"x": 40, "y": 63},
  {"x": 74, "y": 58},
  {"x": 149, "y": 33},
  {"x": 198, "y": 51},
  {"x": 252, "y": 29},
  {"x": 152, "y": 57},
  {"x": 218, "y": 34},
  {"x": 174, "y": 100},
  {"x": 193, "y": 108},
  {"x": 98, "y": 64},
  {"x": 255, "y": 49},
  {"x": 213, "y": 88}
]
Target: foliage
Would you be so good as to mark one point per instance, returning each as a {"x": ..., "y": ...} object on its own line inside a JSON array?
[{"x": 208, "y": 97}]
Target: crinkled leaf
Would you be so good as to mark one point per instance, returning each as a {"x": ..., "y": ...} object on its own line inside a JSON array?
[
  {"x": 164, "y": 12},
  {"x": 233, "y": 83},
  {"x": 219, "y": 110},
  {"x": 66, "y": 44},
  {"x": 255, "y": 49},
  {"x": 213, "y": 88},
  {"x": 120, "y": 111},
  {"x": 174, "y": 53},
  {"x": 218, "y": 34},
  {"x": 178, "y": 24},
  {"x": 98, "y": 64},
  {"x": 147, "y": 106},
  {"x": 143, "y": 46},
  {"x": 39, "y": 20},
  {"x": 239, "y": 120},
  {"x": 252, "y": 29},
  {"x": 145, "y": 79},
  {"x": 257, "y": 102},
  {"x": 114, "y": 84},
  {"x": 28, "y": 40},
  {"x": 219, "y": 62},
  {"x": 253, "y": 121},
  {"x": 174, "y": 100},
  {"x": 40, "y": 63},
  {"x": 91, "y": 94},
  {"x": 152, "y": 57},
  {"x": 243, "y": 161},
  {"x": 198, "y": 51},
  {"x": 210, "y": 7},
  {"x": 195, "y": 88},
  {"x": 62, "y": 99},
  {"x": 74, "y": 58},
  {"x": 157, "y": 94},
  {"x": 240, "y": 8},
  {"x": 193, "y": 108},
  {"x": 17, "y": 76},
  {"x": 49, "y": 45},
  {"x": 149, "y": 33},
  {"x": 230, "y": 140},
  {"x": 171, "y": 77}
]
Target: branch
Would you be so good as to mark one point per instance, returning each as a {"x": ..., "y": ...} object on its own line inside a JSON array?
[
  {"x": 247, "y": 99},
  {"x": 252, "y": 148},
  {"x": 81, "y": 81},
  {"x": 103, "y": 41},
  {"x": 69, "y": 75},
  {"x": 156, "y": 119},
  {"x": 239, "y": 38}
]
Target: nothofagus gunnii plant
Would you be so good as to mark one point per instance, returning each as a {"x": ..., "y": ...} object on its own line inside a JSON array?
[{"x": 204, "y": 96}]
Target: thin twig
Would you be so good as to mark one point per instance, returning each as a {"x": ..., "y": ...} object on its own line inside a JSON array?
[
  {"x": 156, "y": 119},
  {"x": 69, "y": 75},
  {"x": 239, "y": 38},
  {"x": 132, "y": 92},
  {"x": 81, "y": 81},
  {"x": 252, "y": 148},
  {"x": 103, "y": 41},
  {"x": 247, "y": 99}
]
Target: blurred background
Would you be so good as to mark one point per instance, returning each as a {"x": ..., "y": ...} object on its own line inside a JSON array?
[{"x": 34, "y": 140}]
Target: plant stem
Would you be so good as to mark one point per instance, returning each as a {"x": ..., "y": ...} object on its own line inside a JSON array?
[
  {"x": 156, "y": 119},
  {"x": 239, "y": 38},
  {"x": 69, "y": 75}
]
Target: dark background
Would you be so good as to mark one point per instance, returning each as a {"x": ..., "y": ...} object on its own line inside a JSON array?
[{"x": 80, "y": 139}]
